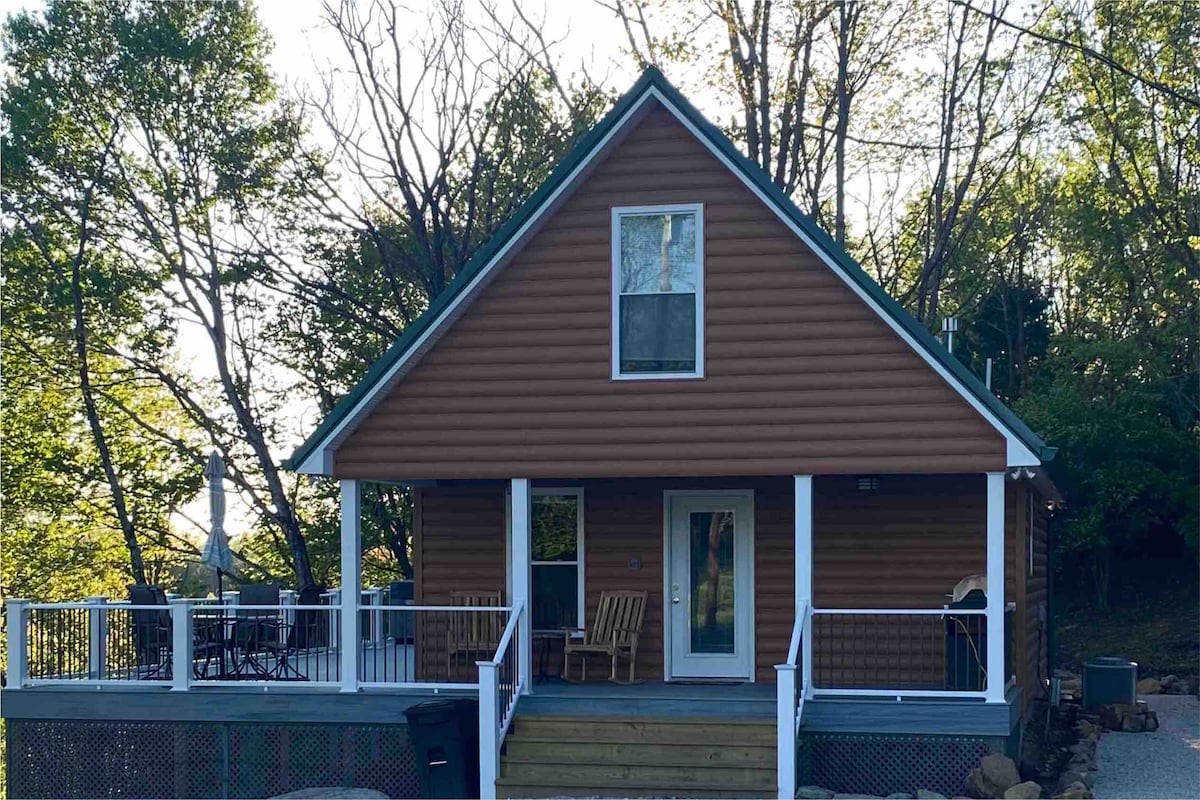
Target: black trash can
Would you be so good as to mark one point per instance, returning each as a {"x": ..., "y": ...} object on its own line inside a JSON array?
[{"x": 445, "y": 738}]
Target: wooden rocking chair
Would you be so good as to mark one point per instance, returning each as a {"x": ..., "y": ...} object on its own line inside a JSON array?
[
  {"x": 469, "y": 635},
  {"x": 615, "y": 632}
]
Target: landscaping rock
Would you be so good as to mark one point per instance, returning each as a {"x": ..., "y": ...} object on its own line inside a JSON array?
[
  {"x": 840, "y": 796},
  {"x": 995, "y": 775},
  {"x": 1024, "y": 791},
  {"x": 925, "y": 794},
  {"x": 899, "y": 796},
  {"x": 1070, "y": 683},
  {"x": 1076, "y": 774},
  {"x": 1133, "y": 723},
  {"x": 1168, "y": 681},
  {"x": 1149, "y": 686},
  {"x": 1128, "y": 717},
  {"x": 1000, "y": 771},
  {"x": 813, "y": 793},
  {"x": 1075, "y": 791}
]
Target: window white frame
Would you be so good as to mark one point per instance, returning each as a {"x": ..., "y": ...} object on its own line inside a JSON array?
[
  {"x": 615, "y": 322},
  {"x": 577, "y": 493}
]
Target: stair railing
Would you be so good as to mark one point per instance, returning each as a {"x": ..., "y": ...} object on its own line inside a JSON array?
[
  {"x": 499, "y": 690},
  {"x": 790, "y": 696}
]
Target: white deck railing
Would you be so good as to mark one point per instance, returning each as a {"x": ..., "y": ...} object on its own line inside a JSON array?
[
  {"x": 500, "y": 688},
  {"x": 898, "y": 652},
  {"x": 790, "y": 694},
  {"x": 197, "y": 642}
]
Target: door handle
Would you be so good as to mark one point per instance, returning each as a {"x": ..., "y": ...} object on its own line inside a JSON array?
[{"x": 674, "y": 599}]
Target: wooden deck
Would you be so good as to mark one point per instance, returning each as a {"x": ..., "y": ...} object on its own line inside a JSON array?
[
  {"x": 559, "y": 698},
  {"x": 296, "y": 702},
  {"x": 757, "y": 701}
]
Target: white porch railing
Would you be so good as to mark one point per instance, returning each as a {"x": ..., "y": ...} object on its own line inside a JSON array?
[
  {"x": 500, "y": 687},
  {"x": 899, "y": 653},
  {"x": 197, "y": 642},
  {"x": 790, "y": 696}
]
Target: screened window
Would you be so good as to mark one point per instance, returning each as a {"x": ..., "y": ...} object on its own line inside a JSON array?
[
  {"x": 658, "y": 288},
  {"x": 557, "y": 565}
]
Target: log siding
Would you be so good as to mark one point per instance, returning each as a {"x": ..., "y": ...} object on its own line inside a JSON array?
[
  {"x": 904, "y": 545},
  {"x": 800, "y": 375}
]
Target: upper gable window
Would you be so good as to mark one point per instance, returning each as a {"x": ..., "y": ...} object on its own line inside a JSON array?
[{"x": 658, "y": 292}]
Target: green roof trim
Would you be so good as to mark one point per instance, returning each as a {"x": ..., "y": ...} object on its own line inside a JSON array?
[{"x": 650, "y": 79}]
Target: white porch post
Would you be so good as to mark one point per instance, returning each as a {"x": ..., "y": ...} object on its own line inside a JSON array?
[
  {"x": 489, "y": 746},
  {"x": 519, "y": 570},
  {"x": 97, "y": 636},
  {"x": 181, "y": 643},
  {"x": 18, "y": 634},
  {"x": 376, "y": 599},
  {"x": 287, "y": 597},
  {"x": 996, "y": 679},
  {"x": 351, "y": 563},
  {"x": 803, "y": 570},
  {"x": 785, "y": 731}
]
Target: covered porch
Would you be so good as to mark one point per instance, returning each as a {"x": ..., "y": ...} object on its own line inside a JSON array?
[{"x": 799, "y": 600}]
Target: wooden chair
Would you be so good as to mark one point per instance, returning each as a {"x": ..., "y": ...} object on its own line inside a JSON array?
[
  {"x": 615, "y": 632},
  {"x": 472, "y": 633}
]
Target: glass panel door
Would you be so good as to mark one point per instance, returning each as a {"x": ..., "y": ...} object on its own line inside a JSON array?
[{"x": 709, "y": 607}]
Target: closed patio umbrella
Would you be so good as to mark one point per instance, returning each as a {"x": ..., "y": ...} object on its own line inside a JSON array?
[{"x": 216, "y": 552}]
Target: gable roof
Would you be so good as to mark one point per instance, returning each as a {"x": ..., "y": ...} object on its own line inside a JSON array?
[{"x": 314, "y": 456}]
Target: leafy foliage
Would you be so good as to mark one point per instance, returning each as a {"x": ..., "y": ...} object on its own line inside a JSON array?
[{"x": 151, "y": 165}]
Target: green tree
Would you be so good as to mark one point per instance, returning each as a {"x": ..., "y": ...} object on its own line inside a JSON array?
[
  {"x": 190, "y": 157},
  {"x": 72, "y": 301}
]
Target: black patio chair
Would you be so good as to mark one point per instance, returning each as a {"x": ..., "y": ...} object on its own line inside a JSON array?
[
  {"x": 151, "y": 630},
  {"x": 311, "y": 628},
  {"x": 400, "y": 623},
  {"x": 259, "y": 632}
]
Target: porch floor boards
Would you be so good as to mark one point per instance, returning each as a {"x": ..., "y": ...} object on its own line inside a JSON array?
[{"x": 651, "y": 700}]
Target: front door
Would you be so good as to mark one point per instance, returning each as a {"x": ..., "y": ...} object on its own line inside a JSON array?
[{"x": 710, "y": 598}]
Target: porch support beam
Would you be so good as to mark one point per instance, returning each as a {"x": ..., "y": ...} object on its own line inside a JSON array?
[
  {"x": 996, "y": 679},
  {"x": 351, "y": 589},
  {"x": 803, "y": 555},
  {"x": 520, "y": 558}
]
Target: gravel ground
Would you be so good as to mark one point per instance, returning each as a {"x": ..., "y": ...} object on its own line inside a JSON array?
[{"x": 1165, "y": 763}]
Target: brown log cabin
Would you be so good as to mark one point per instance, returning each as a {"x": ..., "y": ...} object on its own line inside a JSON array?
[
  {"x": 659, "y": 377},
  {"x": 662, "y": 377}
]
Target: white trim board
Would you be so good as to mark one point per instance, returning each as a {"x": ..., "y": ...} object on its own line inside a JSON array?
[{"x": 320, "y": 460}]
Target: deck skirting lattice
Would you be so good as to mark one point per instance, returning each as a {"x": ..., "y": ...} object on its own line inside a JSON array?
[
  {"x": 882, "y": 764},
  {"x": 159, "y": 759}
]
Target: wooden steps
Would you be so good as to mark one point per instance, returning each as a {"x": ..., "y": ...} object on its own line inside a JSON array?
[{"x": 605, "y": 756}]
